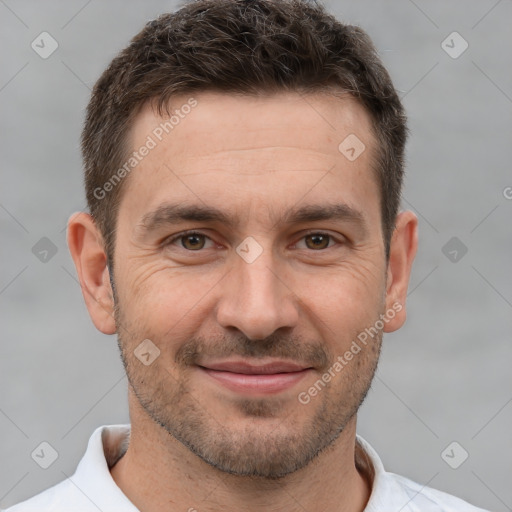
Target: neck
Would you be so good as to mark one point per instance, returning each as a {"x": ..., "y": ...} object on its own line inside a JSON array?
[{"x": 158, "y": 473}]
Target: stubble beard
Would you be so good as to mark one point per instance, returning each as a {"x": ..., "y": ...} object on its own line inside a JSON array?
[{"x": 269, "y": 444}]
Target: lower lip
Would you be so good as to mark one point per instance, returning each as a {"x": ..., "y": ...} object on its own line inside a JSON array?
[{"x": 272, "y": 383}]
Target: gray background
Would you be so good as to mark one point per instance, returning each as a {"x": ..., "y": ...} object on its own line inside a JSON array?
[{"x": 444, "y": 377}]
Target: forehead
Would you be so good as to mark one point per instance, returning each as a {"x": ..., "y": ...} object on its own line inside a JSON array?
[
  {"x": 242, "y": 151},
  {"x": 313, "y": 121}
]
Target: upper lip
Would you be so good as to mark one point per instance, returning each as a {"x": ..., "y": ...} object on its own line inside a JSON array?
[{"x": 255, "y": 369}]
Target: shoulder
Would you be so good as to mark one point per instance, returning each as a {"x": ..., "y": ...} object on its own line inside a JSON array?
[
  {"x": 426, "y": 499},
  {"x": 91, "y": 487},
  {"x": 64, "y": 495},
  {"x": 395, "y": 492}
]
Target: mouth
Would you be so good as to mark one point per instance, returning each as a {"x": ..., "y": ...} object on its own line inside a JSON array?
[{"x": 244, "y": 377}]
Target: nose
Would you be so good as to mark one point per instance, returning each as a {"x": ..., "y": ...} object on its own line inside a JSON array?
[{"x": 257, "y": 298}]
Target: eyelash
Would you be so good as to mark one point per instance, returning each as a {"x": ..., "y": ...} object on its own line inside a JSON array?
[{"x": 183, "y": 234}]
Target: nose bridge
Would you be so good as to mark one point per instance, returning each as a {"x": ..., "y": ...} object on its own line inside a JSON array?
[
  {"x": 254, "y": 299},
  {"x": 258, "y": 279}
]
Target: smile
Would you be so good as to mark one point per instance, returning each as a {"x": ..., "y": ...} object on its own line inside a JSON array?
[{"x": 242, "y": 377}]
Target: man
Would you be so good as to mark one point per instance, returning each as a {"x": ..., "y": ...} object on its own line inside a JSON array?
[{"x": 243, "y": 167}]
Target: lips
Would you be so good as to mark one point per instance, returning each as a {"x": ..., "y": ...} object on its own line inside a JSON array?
[
  {"x": 253, "y": 369},
  {"x": 246, "y": 377}
]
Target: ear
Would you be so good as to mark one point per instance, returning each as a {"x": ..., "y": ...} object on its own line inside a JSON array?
[
  {"x": 86, "y": 247},
  {"x": 404, "y": 244}
]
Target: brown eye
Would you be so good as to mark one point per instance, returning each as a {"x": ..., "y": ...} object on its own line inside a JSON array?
[
  {"x": 193, "y": 241},
  {"x": 317, "y": 241}
]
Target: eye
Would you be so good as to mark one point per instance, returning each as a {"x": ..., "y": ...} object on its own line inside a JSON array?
[
  {"x": 195, "y": 241},
  {"x": 318, "y": 240},
  {"x": 189, "y": 240}
]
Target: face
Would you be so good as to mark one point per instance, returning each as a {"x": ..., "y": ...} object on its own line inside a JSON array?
[{"x": 249, "y": 251}]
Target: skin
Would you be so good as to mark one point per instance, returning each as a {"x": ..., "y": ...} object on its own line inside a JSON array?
[{"x": 195, "y": 443}]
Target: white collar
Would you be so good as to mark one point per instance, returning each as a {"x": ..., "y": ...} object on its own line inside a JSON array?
[
  {"x": 92, "y": 487},
  {"x": 109, "y": 442}
]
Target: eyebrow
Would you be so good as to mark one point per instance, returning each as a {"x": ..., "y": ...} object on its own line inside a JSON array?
[{"x": 170, "y": 213}]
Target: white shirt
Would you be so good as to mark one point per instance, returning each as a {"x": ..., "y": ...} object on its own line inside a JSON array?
[{"x": 92, "y": 488}]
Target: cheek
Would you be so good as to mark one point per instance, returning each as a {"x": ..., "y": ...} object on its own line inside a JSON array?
[
  {"x": 172, "y": 303},
  {"x": 168, "y": 303},
  {"x": 346, "y": 301}
]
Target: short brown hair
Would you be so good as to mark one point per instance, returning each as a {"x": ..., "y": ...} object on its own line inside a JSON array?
[{"x": 239, "y": 46}]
